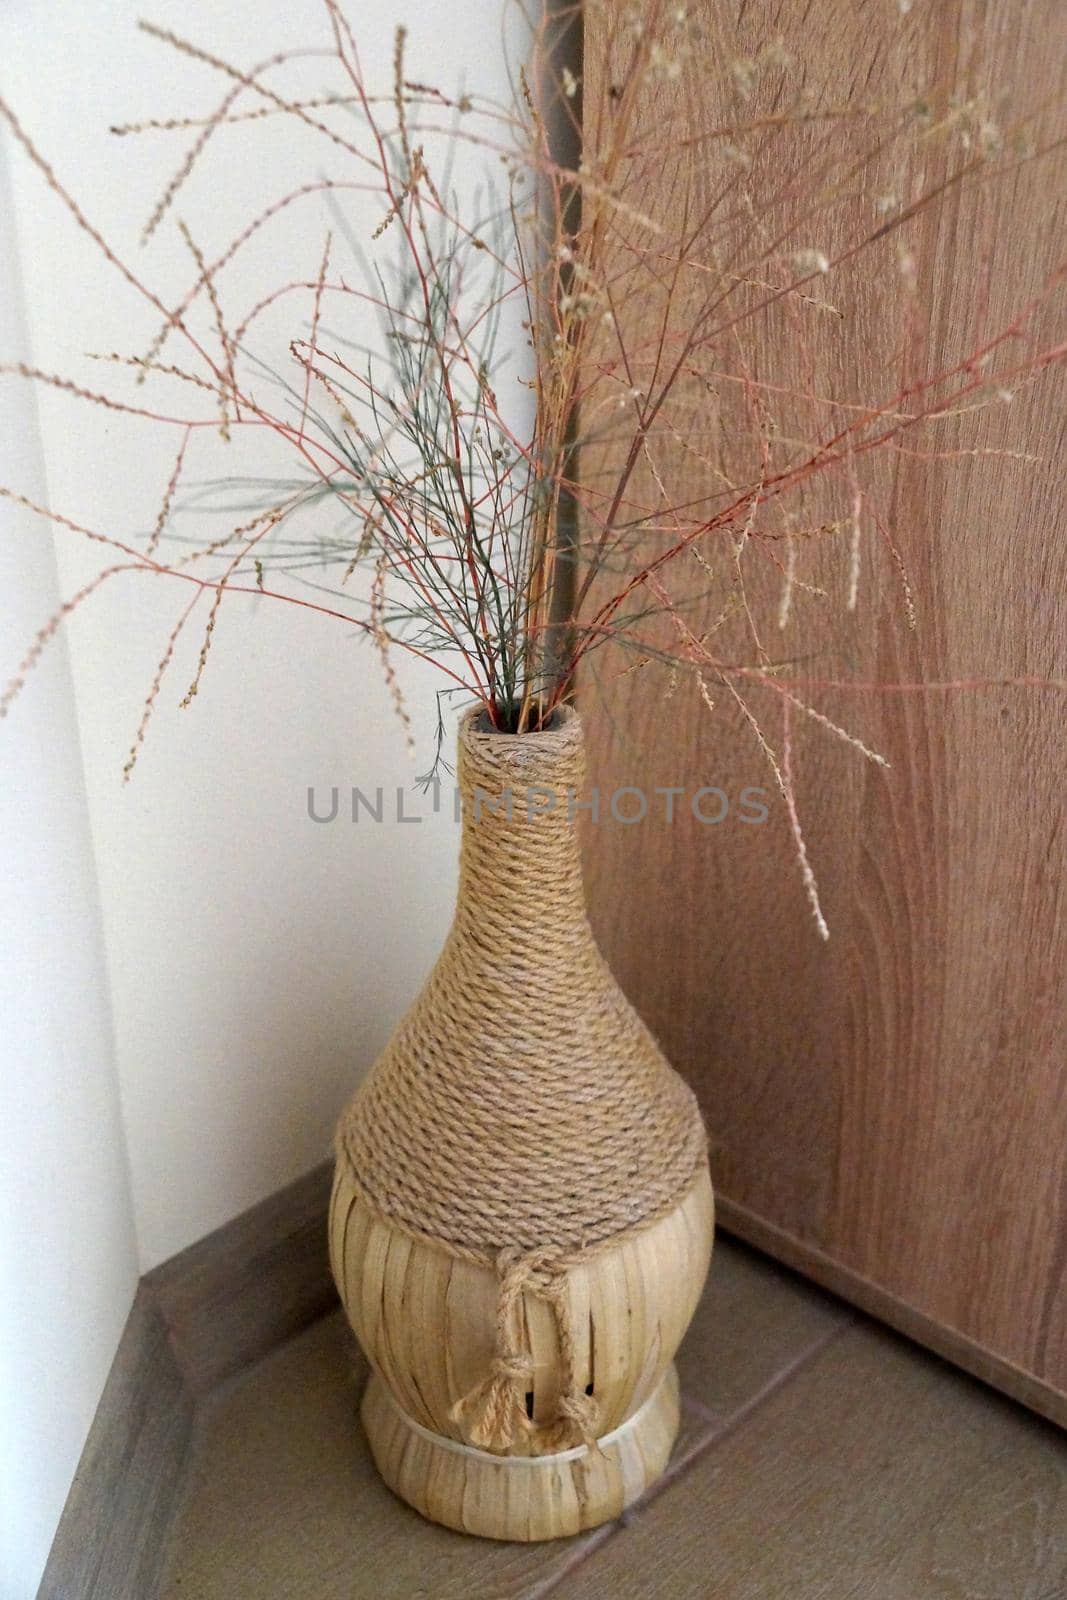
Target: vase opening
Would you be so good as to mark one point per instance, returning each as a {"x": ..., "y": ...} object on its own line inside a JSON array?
[{"x": 539, "y": 723}]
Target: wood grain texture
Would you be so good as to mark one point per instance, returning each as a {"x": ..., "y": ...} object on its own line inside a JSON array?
[
  {"x": 112, "y": 1539},
  {"x": 870, "y": 1297},
  {"x": 285, "y": 1500},
  {"x": 893, "y": 1103},
  {"x": 877, "y": 1473},
  {"x": 233, "y": 1297},
  {"x": 201, "y": 1317}
]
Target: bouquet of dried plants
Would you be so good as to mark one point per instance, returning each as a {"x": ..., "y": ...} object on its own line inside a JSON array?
[{"x": 492, "y": 483}]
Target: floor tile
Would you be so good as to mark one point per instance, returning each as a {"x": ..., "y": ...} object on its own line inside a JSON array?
[
  {"x": 754, "y": 1321},
  {"x": 876, "y": 1473},
  {"x": 285, "y": 1502}
]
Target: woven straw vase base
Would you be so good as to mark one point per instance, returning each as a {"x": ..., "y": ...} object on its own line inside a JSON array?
[
  {"x": 524, "y": 1498},
  {"x": 522, "y": 1217}
]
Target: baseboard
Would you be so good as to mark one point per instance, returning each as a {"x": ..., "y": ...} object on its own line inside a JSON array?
[
  {"x": 197, "y": 1320},
  {"x": 114, "y": 1528},
  {"x": 232, "y": 1297}
]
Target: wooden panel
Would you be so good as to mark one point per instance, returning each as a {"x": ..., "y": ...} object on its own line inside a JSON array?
[
  {"x": 894, "y": 1103},
  {"x": 877, "y": 1473}
]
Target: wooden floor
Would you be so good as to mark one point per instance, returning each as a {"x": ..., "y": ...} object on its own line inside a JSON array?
[{"x": 821, "y": 1458}]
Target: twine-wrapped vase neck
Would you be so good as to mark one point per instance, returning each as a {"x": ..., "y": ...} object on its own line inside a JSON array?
[
  {"x": 520, "y": 892},
  {"x": 522, "y": 1103}
]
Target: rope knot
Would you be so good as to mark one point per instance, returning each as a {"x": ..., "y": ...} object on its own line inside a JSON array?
[
  {"x": 495, "y": 1411},
  {"x": 537, "y": 1270},
  {"x": 514, "y": 1367}
]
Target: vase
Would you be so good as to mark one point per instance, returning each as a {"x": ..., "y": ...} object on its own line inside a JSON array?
[{"x": 521, "y": 1218}]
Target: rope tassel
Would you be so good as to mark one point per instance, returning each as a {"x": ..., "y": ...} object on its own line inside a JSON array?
[{"x": 494, "y": 1412}]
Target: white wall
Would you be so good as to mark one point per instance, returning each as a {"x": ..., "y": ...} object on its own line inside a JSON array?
[
  {"x": 257, "y": 961},
  {"x": 68, "y": 1258}
]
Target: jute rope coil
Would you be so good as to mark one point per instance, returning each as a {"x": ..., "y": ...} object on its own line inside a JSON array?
[{"x": 522, "y": 1116}]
